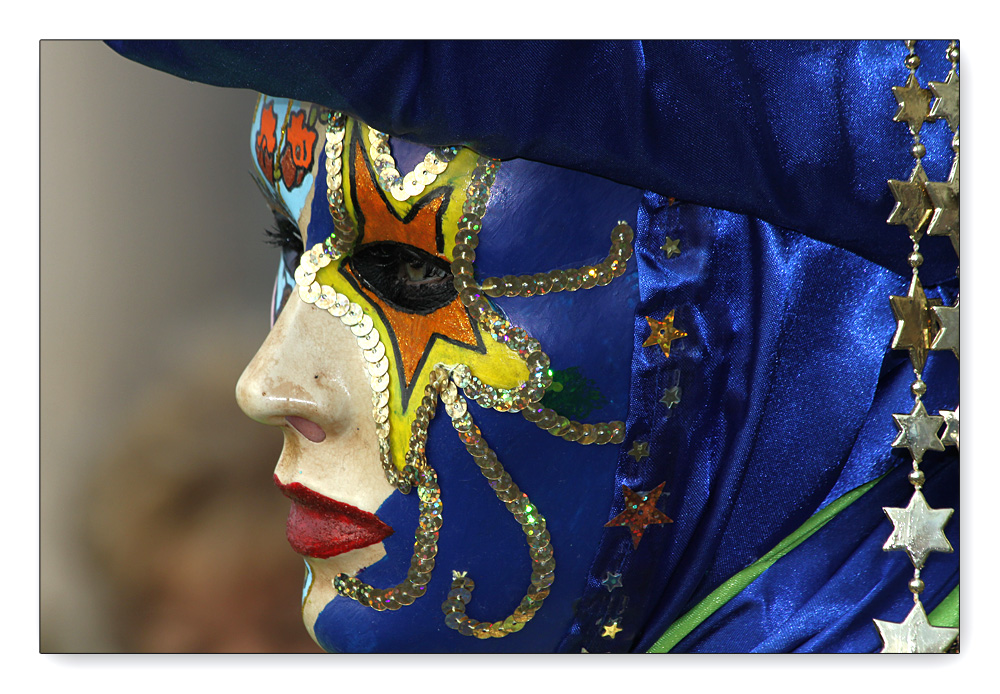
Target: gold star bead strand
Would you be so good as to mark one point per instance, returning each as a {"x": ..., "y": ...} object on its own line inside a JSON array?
[
  {"x": 914, "y": 323},
  {"x": 922, "y": 324},
  {"x": 944, "y": 196},
  {"x": 945, "y": 222},
  {"x": 913, "y": 206},
  {"x": 915, "y": 634},
  {"x": 950, "y": 435},
  {"x": 946, "y": 104},
  {"x": 947, "y": 334},
  {"x": 918, "y": 529}
]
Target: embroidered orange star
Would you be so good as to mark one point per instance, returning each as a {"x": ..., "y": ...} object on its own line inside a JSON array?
[
  {"x": 662, "y": 333},
  {"x": 640, "y": 511},
  {"x": 420, "y": 227}
]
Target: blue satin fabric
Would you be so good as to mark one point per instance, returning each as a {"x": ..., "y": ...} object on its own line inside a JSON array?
[
  {"x": 788, "y": 395},
  {"x": 779, "y": 153},
  {"x": 797, "y": 133}
]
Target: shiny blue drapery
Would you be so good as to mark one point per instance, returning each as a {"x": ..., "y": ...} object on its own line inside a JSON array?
[{"x": 777, "y": 155}]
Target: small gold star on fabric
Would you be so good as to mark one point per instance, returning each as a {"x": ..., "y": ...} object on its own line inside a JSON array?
[
  {"x": 611, "y": 630},
  {"x": 918, "y": 431},
  {"x": 944, "y": 203},
  {"x": 640, "y": 511},
  {"x": 662, "y": 333},
  {"x": 611, "y": 581},
  {"x": 950, "y": 435},
  {"x": 946, "y": 104},
  {"x": 915, "y": 634},
  {"x": 948, "y": 319},
  {"x": 914, "y": 104},
  {"x": 671, "y": 247},
  {"x": 671, "y": 396},
  {"x": 913, "y": 206},
  {"x": 914, "y": 328},
  {"x": 639, "y": 450},
  {"x": 918, "y": 529}
]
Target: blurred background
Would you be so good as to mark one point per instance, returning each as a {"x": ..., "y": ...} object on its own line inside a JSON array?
[{"x": 161, "y": 530}]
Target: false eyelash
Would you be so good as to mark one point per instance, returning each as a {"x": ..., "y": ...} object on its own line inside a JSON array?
[{"x": 284, "y": 235}]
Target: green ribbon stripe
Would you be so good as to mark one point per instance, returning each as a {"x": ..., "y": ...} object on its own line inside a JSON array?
[{"x": 731, "y": 588}]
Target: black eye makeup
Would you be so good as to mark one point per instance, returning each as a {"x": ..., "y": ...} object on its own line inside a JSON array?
[
  {"x": 285, "y": 235},
  {"x": 407, "y": 278}
]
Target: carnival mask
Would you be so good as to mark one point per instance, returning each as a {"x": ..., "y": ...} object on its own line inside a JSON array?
[{"x": 433, "y": 353}]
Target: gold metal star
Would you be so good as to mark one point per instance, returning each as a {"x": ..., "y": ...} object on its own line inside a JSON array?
[
  {"x": 672, "y": 247},
  {"x": 914, "y": 104},
  {"x": 918, "y": 431},
  {"x": 640, "y": 511},
  {"x": 663, "y": 332},
  {"x": 913, "y": 206},
  {"x": 950, "y": 435},
  {"x": 914, "y": 325},
  {"x": 671, "y": 396},
  {"x": 611, "y": 630},
  {"x": 944, "y": 200},
  {"x": 914, "y": 634},
  {"x": 947, "y": 336},
  {"x": 639, "y": 450},
  {"x": 918, "y": 529},
  {"x": 946, "y": 105}
]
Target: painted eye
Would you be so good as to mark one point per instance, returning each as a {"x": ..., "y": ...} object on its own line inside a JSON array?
[{"x": 405, "y": 277}]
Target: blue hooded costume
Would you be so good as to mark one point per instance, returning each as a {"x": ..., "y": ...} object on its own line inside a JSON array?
[{"x": 770, "y": 161}]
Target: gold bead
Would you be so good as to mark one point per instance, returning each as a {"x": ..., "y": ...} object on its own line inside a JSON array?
[
  {"x": 510, "y": 285},
  {"x": 464, "y": 252},
  {"x": 543, "y": 283},
  {"x": 491, "y": 287},
  {"x": 526, "y": 285}
]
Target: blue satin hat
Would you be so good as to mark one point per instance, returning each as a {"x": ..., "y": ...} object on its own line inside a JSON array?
[{"x": 768, "y": 162}]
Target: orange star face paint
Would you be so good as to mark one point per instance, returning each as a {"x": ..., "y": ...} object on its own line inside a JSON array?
[{"x": 415, "y": 328}]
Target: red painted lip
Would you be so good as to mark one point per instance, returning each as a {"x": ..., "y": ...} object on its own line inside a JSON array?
[{"x": 321, "y": 527}]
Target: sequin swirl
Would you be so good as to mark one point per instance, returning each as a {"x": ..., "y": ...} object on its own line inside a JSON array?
[{"x": 425, "y": 173}]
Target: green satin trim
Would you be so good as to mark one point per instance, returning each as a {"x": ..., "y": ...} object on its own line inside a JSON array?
[
  {"x": 946, "y": 614},
  {"x": 731, "y": 588}
]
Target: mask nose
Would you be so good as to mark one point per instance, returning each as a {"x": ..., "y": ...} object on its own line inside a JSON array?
[{"x": 301, "y": 375}]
